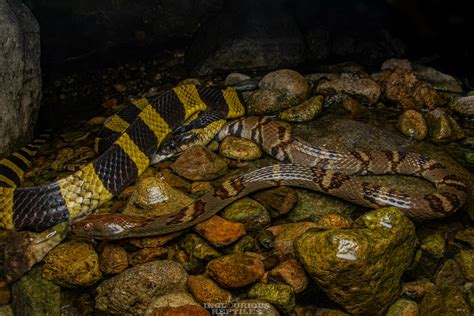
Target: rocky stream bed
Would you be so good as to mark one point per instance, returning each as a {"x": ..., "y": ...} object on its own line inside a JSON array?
[{"x": 276, "y": 252}]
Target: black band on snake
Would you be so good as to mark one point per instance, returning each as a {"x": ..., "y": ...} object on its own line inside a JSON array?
[
  {"x": 313, "y": 167},
  {"x": 310, "y": 167},
  {"x": 40, "y": 207}
]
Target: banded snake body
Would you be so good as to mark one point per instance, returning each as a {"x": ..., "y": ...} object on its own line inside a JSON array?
[{"x": 305, "y": 165}]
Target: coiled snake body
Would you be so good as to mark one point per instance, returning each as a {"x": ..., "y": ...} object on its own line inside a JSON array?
[
  {"x": 38, "y": 208},
  {"x": 307, "y": 166}
]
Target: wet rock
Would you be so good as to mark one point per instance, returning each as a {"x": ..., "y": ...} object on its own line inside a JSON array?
[
  {"x": 333, "y": 221},
  {"x": 20, "y": 96},
  {"x": 403, "y": 307},
  {"x": 172, "y": 304},
  {"x": 280, "y": 295},
  {"x": 377, "y": 252},
  {"x": 197, "y": 247},
  {"x": 352, "y": 106},
  {"x": 449, "y": 273},
  {"x": 412, "y": 124},
  {"x": 132, "y": 291},
  {"x": 235, "y": 270},
  {"x": 23, "y": 249},
  {"x": 266, "y": 239},
  {"x": 304, "y": 112},
  {"x": 277, "y": 201},
  {"x": 434, "y": 245},
  {"x": 174, "y": 180},
  {"x": 249, "y": 212},
  {"x": 401, "y": 87},
  {"x": 147, "y": 255},
  {"x": 220, "y": 231},
  {"x": 440, "y": 81},
  {"x": 34, "y": 295},
  {"x": 199, "y": 188},
  {"x": 113, "y": 259},
  {"x": 234, "y": 78},
  {"x": 238, "y": 148},
  {"x": 4, "y": 292},
  {"x": 416, "y": 290},
  {"x": 180, "y": 311},
  {"x": 466, "y": 235},
  {"x": 314, "y": 205},
  {"x": 154, "y": 197},
  {"x": 443, "y": 127},
  {"x": 285, "y": 235},
  {"x": 465, "y": 259},
  {"x": 463, "y": 106},
  {"x": 155, "y": 241},
  {"x": 269, "y": 101},
  {"x": 290, "y": 81},
  {"x": 71, "y": 264},
  {"x": 199, "y": 163},
  {"x": 291, "y": 273},
  {"x": 366, "y": 91},
  {"x": 446, "y": 300},
  {"x": 244, "y": 244},
  {"x": 253, "y": 307},
  {"x": 206, "y": 291}
]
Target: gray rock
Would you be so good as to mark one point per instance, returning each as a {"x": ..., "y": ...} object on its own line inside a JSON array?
[
  {"x": 463, "y": 106},
  {"x": 20, "y": 74},
  {"x": 35, "y": 296},
  {"x": 132, "y": 291}
]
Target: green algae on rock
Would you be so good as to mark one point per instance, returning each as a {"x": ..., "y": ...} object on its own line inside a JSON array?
[
  {"x": 304, "y": 112},
  {"x": 197, "y": 247},
  {"x": 133, "y": 290},
  {"x": 71, "y": 264},
  {"x": 249, "y": 212},
  {"x": 34, "y": 295},
  {"x": 239, "y": 148},
  {"x": 360, "y": 268},
  {"x": 403, "y": 307},
  {"x": 280, "y": 295}
]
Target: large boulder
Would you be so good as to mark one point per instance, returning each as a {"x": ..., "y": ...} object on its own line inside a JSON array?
[{"x": 20, "y": 74}]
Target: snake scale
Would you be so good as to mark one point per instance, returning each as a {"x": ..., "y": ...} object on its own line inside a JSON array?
[
  {"x": 305, "y": 165},
  {"x": 40, "y": 207}
]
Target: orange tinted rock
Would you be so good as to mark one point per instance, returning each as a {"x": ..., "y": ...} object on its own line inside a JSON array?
[
  {"x": 113, "y": 259},
  {"x": 219, "y": 231},
  {"x": 292, "y": 273},
  {"x": 277, "y": 201},
  {"x": 236, "y": 270},
  {"x": 206, "y": 291},
  {"x": 334, "y": 221}
]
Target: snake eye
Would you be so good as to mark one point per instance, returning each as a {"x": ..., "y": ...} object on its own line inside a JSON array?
[{"x": 87, "y": 226}]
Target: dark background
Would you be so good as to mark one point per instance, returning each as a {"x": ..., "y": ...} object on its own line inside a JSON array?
[{"x": 89, "y": 34}]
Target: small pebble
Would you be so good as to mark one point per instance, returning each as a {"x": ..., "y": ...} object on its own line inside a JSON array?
[
  {"x": 236, "y": 270},
  {"x": 238, "y": 148},
  {"x": 220, "y": 231},
  {"x": 113, "y": 259}
]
